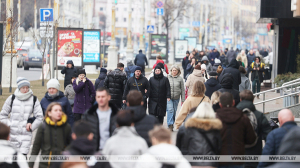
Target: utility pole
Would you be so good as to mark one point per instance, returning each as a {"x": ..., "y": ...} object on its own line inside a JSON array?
[
  {"x": 171, "y": 56},
  {"x": 206, "y": 23},
  {"x": 35, "y": 25},
  {"x": 201, "y": 23},
  {"x": 112, "y": 49},
  {"x": 142, "y": 44},
  {"x": 19, "y": 20},
  {"x": 54, "y": 57},
  {"x": 149, "y": 35},
  {"x": 129, "y": 51}
]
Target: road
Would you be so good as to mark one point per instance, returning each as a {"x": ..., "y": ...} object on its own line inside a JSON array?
[{"x": 32, "y": 74}]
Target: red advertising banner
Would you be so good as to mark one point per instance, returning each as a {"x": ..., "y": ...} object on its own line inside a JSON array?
[{"x": 69, "y": 46}]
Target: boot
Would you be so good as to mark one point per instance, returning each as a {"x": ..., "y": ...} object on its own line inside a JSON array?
[{"x": 171, "y": 128}]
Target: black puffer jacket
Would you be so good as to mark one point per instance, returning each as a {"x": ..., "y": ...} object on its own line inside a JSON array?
[
  {"x": 69, "y": 73},
  {"x": 160, "y": 91},
  {"x": 91, "y": 116},
  {"x": 233, "y": 69},
  {"x": 211, "y": 86},
  {"x": 100, "y": 80},
  {"x": 143, "y": 122},
  {"x": 226, "y": 84},
  {"x": 116, "y": 82},
  {"x": 190, "y": 139}
]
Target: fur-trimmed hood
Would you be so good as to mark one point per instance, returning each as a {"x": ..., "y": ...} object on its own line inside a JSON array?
[{"x": 204, "y": 124}]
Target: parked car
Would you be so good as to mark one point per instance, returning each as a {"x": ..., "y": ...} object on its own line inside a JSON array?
[{"x": 33, "y": 60}]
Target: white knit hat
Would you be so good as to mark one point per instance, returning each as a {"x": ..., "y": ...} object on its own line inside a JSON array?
[
  {"x": 217, "y": 61},
  {"x": 21, "y": 81},
  {"x": 53, "y": 83},
  {"x": 203, "y": 66}
]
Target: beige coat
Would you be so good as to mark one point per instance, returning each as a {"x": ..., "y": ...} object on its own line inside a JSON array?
[
  {"x": 243, "y": 58},
  {"x": 189, "y": 103},
  {"x": 193, "y": 78}
]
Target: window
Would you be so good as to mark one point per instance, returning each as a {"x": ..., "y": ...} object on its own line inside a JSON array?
[
  {"x": 101, "y": 9},
  {"x": 124, "y": 19}
]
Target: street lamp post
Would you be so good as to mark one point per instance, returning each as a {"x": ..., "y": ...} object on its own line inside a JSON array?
[
  {"x": 112, "y": 49},
  {"x": 142, "y": 44},
  {"x": 129, "y": 50}
]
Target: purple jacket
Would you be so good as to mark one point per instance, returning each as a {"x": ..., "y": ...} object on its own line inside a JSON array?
[{"x": 84, "y": 96}]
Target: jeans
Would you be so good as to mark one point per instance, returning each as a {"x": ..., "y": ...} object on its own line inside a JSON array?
[
  {"x": 256, "y": 86},
  {"x": 231, "y": 166},
  {"x": 171, "y": 111}
]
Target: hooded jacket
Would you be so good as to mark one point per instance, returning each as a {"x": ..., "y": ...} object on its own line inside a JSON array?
[
  {"x": 231, "y": 55},
  {"x": 256, "y": 72},
  {"x": 160, "y": 91},
  {"x": 130, "y": 69},
  {"x": 177, "y": 85},
  {"x": 69, "y": 73},
  {"x": 191, "y": 141},
  {"x": 215, "y": 67},
  {"x": 185, "y": 62},
  {"x": 115, "y": 82},
  {"x": 262, "y": 130},
  {"x": 211, "y": 86},
  {"x": 51, "y": 138},
  {"x": 143, "y": 84},
  {"x": 162, "y": 149},
  {"x": 237, "y": 132},
  {"x": 209, "y": 67},
  {"x": 64, "y": 102},
  {"x": 143, "y": 122},
  {"x": 85, "y": 95},
  {"x": 8, "y": 150},
  {"x": 141, "y": 59},
  {"x": 125, "y": 141},
  {"x": 226, "y": 86},
  {"x": 245, "y": 84},
  {"x": 233, "y": 69},
  {"x": 165, "y": 65},
  {"x": 193, "y": 78},
  {"x": 100, "y": 80},
  {"x": 223, "y": 60}
]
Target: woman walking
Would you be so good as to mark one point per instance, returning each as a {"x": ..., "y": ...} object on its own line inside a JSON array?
[
  {"x": 69, "y": 92},
  {"x": 194, "y": 77},
  {"x": 20, "y": 106},
  {"x": 53, "y": 135},
  {"x": 159, "y": 95},
  {"x": 85, "y": 94},
  {"x": 177, "y": 90}
]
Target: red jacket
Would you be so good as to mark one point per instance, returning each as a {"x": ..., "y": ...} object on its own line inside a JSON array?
[{"x": 165, "y": 65}]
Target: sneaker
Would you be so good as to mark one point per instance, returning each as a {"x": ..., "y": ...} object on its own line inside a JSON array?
[{"x": 171, "y": 128}]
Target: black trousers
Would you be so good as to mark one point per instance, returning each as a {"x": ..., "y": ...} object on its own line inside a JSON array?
[
  {"x": 77, "y": 116},
  {"x": 159, "y": 118}
]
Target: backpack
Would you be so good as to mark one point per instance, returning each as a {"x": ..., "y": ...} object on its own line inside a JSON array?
[
  {"x": 14, "y": 96},
  {"x": 253, "y": 122},
  {"x": 14, "y": 164}
]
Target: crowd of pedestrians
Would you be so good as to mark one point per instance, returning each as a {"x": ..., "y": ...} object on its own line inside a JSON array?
[{"x": 123, "y": 112}]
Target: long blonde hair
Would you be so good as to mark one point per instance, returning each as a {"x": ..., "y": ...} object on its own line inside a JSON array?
[
  {"x": 215, "y": 97},
  {"x": 205, "y": 111}
]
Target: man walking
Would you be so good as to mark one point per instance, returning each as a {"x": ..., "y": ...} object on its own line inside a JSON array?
[
  {"x": 115, "y": 82},
  {"x": 212, "y": 84},
  {"x": 69, "y": 70},
  {"x": 257, "y": 69},
  {"x": 233, "y": 69},
  {"x": 140, "y": 60},
  {"x": 231, "y": 54},
  {"x": 140, "y": 83}
]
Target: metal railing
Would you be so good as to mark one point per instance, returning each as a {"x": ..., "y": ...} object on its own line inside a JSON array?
[{"x": 275, "y": 89}]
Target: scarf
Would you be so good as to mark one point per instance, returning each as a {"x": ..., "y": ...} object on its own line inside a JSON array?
[
  {"x": 23, "y": 96},
  {"x": 54, "y": 95}
]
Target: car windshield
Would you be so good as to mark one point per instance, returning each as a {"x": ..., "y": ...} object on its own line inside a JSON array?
[{"x": 34, "y": 53}]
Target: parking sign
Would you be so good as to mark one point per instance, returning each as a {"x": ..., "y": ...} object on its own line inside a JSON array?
[{"x": 46, "y": 14}]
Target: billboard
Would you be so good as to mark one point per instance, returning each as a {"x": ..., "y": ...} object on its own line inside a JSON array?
[
  {"x": 192, "y": 42},
  {"x": 158, "y": 46},
  {"x": 91, "y": 46},
  {"x": 181, "y": 46},
  {"x": 69, "y": 46}
]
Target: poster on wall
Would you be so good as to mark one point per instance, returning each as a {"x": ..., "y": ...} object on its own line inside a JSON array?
[
  {"x": 158, "y": 46},
  {"x": 69, "y": 46},
  {"x": 181, "y": 46},
  {"x": 91, "y": 46},
  {"x": 192, "y": 42},
  {"x": 199, "y": 47}
]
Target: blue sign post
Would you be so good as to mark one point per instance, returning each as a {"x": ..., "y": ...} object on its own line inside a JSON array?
[
  {"x": 150, "y": 29},
  {"x": 160, "y": 11},
  {"x": 46, "y": 14}
]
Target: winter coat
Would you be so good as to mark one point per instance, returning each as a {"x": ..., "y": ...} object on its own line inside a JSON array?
[
  {"x": 233, "y": 69},
  {"x": 100, "y": 80},
  {"x": 209, "y": 67},
  {"x": 177, "y": 87},
  {"x": 190, "y": 140},
  {"x": 213, "y": 56},
  {"x": 69, "y": 73},
  {"x": 143, "y": 122},
  {"x": 143, "y": 84},
  {"x": 211, "y": 86},
  {"x": 8, "y": 150},
  {"x": 162, "y": 149},
  {"x": 160, "y": 91},
  {"x": 259, "y": 72},
  {"x": 130, "y": 69},
  {"x": 184, "y": 63},
  {"x": 237, "y": 132},
  {"x": 165, "y": 65},
  {"x": 91, "y": 116},
  {"x": 140, "y": 60},
  {"x": 20, "y": 111},
  {"x": 152, "y": 74},
  {"x": 223, "y": 60},
  {"x": 85, "y": 95},
  {"x": 226, "y": 86},
  {"x": 51, "y": 138},
  {"x": 70, "y": 93},
  {"x": 274, "y": 139},
  {"x": 251, "y": 59},
  {"x": 64, "y": 102},
  {"x": 115, "y": 82},
  {"x": 231, "y": 54},
  {"x": 192, "y": 79},
  {"x": 262, "y": 130},
  {"x": 189, "y": 69},
  {"x": 243, "y": 59},
  {"x": 245, "y": 84},
  {"x": 215, "y": 67},
  {"x": 188, "y": 104},
  {"x": 125, "y": 141}
]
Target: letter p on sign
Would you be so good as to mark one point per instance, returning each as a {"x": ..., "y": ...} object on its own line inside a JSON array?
[{"x": 46, "y": 15}]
